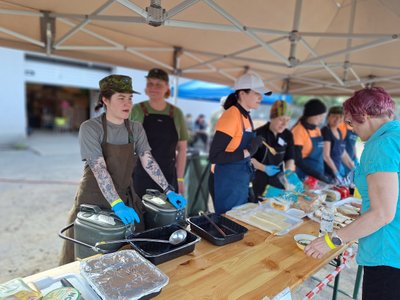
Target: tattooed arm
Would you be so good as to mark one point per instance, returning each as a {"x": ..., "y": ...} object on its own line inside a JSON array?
[
  {"x": 103, "y": 179},
  {"x": 152, "y": 168}
]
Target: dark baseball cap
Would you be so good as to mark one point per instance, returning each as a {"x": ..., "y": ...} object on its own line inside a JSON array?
[
  {"x": 117, "y": 83},
  {"x": 158, "y": 74}
]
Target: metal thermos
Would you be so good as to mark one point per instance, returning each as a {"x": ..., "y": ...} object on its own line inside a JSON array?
[{"x": 93, "y": 225}]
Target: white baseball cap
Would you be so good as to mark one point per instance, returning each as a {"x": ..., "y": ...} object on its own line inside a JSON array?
[{"x": 253, "y": 82}]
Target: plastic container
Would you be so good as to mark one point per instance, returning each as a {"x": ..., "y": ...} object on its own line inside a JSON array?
[
  {"x": 158, "y": 253},
  {"x": 159, "y": 211},
  {"x": 302, "y": 240},
  {"x": 123, "y": 275},
  {"x": 327, "y": 219},
  {"x": 201, "y": 226},
  {"x": 267, "y": 219}
]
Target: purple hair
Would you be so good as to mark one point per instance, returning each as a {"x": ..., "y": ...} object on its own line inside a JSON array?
[{"x": 375, "y": 102}]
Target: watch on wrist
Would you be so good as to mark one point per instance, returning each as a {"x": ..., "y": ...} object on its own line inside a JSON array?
[
  {"x": 336, "y": 240},
  {"x": 169, "y": 188}
]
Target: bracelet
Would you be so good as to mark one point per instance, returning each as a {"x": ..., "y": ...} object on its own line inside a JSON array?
[
  {"x": 329, "y": 241},
  {"x": 180, "y": 179},
  {"x": 116, "y": 202}
]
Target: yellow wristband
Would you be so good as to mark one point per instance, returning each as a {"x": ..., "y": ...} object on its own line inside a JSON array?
[
  {"x": 329, "y": 241},
  {"x": 180, "y": 179},
  {"x": 116, "y": 202}
]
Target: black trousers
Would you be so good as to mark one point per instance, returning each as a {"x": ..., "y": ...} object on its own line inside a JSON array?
[{"x": 381, "y": 283}]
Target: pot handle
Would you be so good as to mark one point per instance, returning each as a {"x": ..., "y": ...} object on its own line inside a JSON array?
[{"x": 63, "y": 236}]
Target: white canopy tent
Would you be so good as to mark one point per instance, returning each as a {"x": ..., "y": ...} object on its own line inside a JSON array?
[{"x": 300, "y": 47}]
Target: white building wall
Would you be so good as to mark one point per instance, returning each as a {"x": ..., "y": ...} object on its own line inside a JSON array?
[
  {"x": 13, "y": 121},
  {"x": 62, "y": 75}
]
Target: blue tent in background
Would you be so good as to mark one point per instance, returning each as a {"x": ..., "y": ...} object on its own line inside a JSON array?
[{"x": 207, "y": 91}]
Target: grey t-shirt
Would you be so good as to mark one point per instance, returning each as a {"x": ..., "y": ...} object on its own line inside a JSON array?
[{"x": 91, "y": 136}]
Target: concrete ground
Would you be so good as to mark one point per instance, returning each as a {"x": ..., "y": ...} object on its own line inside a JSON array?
[{"x": 38, "y": 185}]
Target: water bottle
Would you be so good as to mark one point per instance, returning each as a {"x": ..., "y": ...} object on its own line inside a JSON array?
[{"x": 327, "y": 218}]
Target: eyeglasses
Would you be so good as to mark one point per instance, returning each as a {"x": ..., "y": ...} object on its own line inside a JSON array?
[{"x": 348, "y": 122}]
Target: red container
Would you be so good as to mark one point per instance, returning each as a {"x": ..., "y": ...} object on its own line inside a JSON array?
[
  {"x": 311, "y": 182},
  {"x": 343, "y": 190}
]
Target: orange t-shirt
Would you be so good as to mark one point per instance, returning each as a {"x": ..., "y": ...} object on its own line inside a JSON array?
[
  {"x": 230, "y": 123},
  {"x": 302, "y": 137},
  {"x": 343, "y": 129}
]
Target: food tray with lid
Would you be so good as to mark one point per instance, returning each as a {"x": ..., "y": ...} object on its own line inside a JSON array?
[{"x": 123, "y": 275}]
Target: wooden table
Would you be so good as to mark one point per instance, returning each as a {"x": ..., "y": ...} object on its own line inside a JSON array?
[{"x": 259, "y": 265}]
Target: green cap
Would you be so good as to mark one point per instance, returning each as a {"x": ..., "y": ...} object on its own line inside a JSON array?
[
  {"x": 117, "y": 83},
  {"x": 158, "y": 74}
]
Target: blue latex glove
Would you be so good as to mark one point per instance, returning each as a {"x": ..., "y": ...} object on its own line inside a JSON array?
[
  {"x": 339, "y": 178},
  {"x": 176, "y": 200},
  {"x": 294, "y": 180},
  {"x": 127, "y": 214},
  {"x": 272, "y": 170}
]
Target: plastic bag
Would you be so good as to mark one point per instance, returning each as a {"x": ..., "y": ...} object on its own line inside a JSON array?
[{"x": 17, "y": 289}]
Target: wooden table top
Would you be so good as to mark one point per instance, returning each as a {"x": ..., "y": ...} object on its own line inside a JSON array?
[{"x": 259, "y": 265}]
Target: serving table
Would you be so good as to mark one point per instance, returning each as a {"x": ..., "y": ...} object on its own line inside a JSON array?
[{"x": 259, "y": 265}]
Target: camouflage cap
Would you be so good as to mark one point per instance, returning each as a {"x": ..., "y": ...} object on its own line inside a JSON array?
[
  {"x": 279, "y": 108},
  {"x": 158, "y": 74},
  {"x": 117, "y": 83}
]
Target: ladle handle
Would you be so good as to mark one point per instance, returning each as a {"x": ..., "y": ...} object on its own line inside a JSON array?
[
  {"x": 213, "y": 224},
  {"x": 131, "y": 240}
]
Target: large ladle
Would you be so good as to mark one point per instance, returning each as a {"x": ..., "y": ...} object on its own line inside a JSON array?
[{"x": 175, "y": 238}]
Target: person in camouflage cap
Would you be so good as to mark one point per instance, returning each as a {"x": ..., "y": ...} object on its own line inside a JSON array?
[
  {"x": 110, "y": 145},
  {"x": 114, "y": 84},
  {"x": 271, "y": 164},
  {"x": 117, "y": 83}
]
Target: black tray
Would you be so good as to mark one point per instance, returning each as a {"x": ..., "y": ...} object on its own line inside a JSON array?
[
  {"x": 201, "y": 226},
  {"x": 158, "y": 253}
]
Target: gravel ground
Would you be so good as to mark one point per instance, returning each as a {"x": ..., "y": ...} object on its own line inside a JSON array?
[{"x": 38, "y": 186}]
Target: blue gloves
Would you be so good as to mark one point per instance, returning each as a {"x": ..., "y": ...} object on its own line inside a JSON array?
[
  {"x": 339, "y": 178},
  {"x": 176, "y": 200},
  {"x": 127, "y": 214},
  {"x": 272, "y": 170}
]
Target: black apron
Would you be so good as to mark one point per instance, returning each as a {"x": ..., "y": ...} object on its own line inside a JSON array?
[
  {"x": 120, "y": 161},
  {"x": 316, "y": 157},
  {"x": 163, "y": 139}
]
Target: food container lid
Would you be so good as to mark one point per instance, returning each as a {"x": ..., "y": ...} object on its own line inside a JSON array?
[
  {"x": 104, "y": 219},
  {"x": 157, "y": 201}
]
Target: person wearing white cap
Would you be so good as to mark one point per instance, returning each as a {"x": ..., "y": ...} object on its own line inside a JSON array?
[{"x": 235, "y": 142}]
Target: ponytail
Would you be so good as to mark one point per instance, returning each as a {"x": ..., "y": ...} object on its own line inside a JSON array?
[
  {"x": 233, "y": 98},
  {"x": 100, "y": 103}
]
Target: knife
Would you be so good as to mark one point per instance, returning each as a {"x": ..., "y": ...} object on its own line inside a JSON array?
[{"x": 65, "y": 282}]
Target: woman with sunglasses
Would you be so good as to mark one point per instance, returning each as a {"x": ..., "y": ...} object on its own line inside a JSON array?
[{"x": 370, "y": 112}]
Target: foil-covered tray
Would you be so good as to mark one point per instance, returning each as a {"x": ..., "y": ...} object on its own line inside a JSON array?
[{"x": 123, "y": 275}]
